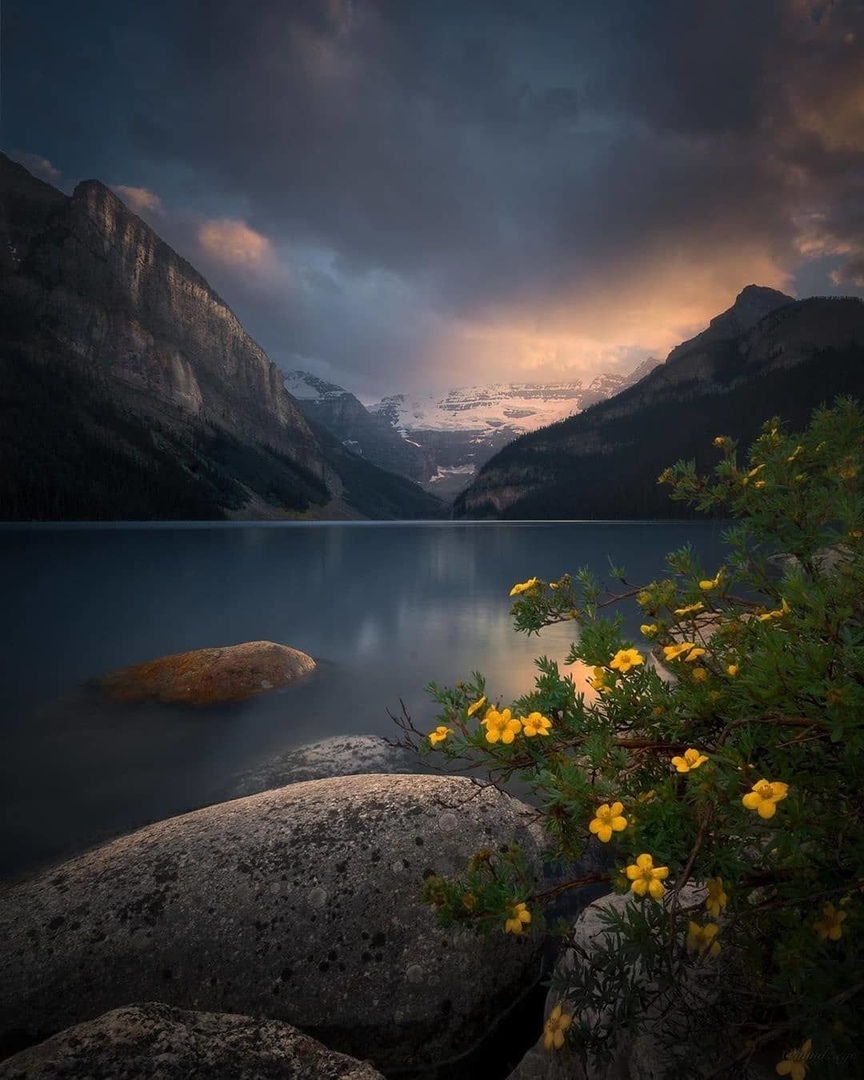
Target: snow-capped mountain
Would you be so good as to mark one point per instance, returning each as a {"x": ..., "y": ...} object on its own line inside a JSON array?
[
  {"x": 446, "y": 439},
  {"x": 518, "y": 407}
]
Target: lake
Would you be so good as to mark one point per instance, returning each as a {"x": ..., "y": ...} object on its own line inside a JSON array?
[{"x": 384, "y": 607}]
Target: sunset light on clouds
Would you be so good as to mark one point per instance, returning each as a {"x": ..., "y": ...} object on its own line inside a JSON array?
[{"x": 409, "y": 195}]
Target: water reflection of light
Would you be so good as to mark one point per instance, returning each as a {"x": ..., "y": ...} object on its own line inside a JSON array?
[{"x": 369, "y": 637}]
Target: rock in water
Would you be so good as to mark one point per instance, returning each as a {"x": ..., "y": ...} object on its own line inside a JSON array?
[
  {"x": 340, "y": 755},
  {"x": 301, "y": 904},
  {"x": 156, "y": 1042},
  {"x": 209, "y": 676}
]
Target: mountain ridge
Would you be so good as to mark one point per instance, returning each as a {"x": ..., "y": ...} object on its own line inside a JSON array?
[{"x": 798, "y": 355}]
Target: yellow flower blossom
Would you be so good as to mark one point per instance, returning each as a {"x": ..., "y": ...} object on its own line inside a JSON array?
[
  {"x": 607, "y": 819},
  {"x": 700, "y": 939},
  {"x": 554, "y": 1028},
  {"x": 500, "y": 726},
  {"x": 700, "y": 674},
  {"x": 795, "y": 453},
  {"x": 648, "y": 629},
  {"x": 673, "y": 652},
  {"x": 440, "y": 734},
  {"x": 694, "y": 654},
  {"x": 625, "y": 659},
  {"x": 520, "y": 916},
  {"x": 646, "y": 878},
  {"x": 784, "y": 609},
  {"x": 692, "y": 759},
  {"x": 535, "y": 724},
  {"x": 524, "y": 586},
  {"x": 711, "y": 583},
  {"x": 477, "y": 706},
  {"x": 717, "y": 898},
  {"x": 722, "y": 440},
  {"x": 759, "y": 484},
  {"x": 765, "y": 796},
  {"x": 690, "y": 608},
  {"x": 732, "y": 670},
  {"x": 794, "y": 1065},
  {"x": 469, "y": 901},
  {"x": 745, "y": 480},
  {"x": 831, "y": 926},
  {"x": 600, "y": 679}
]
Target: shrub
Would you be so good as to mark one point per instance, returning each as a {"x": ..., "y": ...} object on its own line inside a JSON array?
[{"x": 735, "y": 764}]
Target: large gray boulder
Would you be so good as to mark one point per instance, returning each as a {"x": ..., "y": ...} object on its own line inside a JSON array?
[
  {"x": 157, "y": 1042},
  {"x": 301, "y": 904}
]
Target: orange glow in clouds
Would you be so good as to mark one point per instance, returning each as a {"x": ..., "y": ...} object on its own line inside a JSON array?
[
  {"x": 657, "y": 301},
  {"x": 235, "y": 244}
]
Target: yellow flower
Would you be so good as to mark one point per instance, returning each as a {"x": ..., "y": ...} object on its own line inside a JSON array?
[
  {"x": 794, "y": 1064},
  {"x": 722, "y": 440},
  {"x": 520, "y": 916},
  {"x": 717, "y": 898},
  {"x": 707, "y": 586},
  {"x": 795, "y": 453},
  {"x": 698, "y": 606},
  {"x": 700, "y": 674},
  {"x": 524, "y": 586},
  {"x": 673, "y": 652},
  {"x": 554, "y": 1028},
  {"x": 607, "y": 819},
  {"x": 500, "y": 725},
  {"x": 784, "y": 609},
  {"x": 732, "y": 670},
  {"x": 477, "y": 706},
  {"x": 536, "y": 724},
  {"x": 759, "y": 484},
  {"x": 700, "y": 939},
  {"x": 648, "y": 629},
  {"x": 646, "y": 877},
  {"x": 830, "y": 926},
  {"x": 692, "y": 759},
  {"x": 600, "y": 680},
  {"x": 752, "y": 473},
  {"x": 765, "y": 796},
  {"x": 440, "y": 734},
  {"x": 625, "y": 659},
  {"x": 694, "y": 654},
  {"x": 469, "y": 900}
]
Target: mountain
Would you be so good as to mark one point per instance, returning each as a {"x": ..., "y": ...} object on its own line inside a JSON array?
[
  {"x": 363, "y": 432},
  {"x": 130, "y": 389},
  {"x": 462, "y": 429},
  {"x": 767, "y": 355}
]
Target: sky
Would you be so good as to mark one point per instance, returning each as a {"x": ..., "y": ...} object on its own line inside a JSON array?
[{"x": 410, "y": 195}]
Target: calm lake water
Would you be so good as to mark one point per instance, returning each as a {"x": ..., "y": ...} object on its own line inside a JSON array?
[{"x": 384, "y": 607}]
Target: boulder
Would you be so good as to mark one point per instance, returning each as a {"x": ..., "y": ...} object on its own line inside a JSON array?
[
  {"x": 157, "y": 1042},
  {"x": 664, "y": 1047},
  {"x": 301, "y": 904},
  {"x": 209, "y": 676},
  {"x": 341, "y": 755}
]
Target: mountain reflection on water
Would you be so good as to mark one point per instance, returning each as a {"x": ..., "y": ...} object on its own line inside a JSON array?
[{"x": 384, "y": 608}]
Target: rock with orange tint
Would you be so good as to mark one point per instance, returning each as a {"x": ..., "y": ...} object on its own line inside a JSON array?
[{"x": 209, "y": 676}]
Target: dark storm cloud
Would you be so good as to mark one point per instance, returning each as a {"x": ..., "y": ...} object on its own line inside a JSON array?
[{"x": 423, "y": 164}]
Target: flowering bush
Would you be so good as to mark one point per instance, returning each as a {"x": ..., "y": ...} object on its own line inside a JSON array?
[{"x": 737, "y": 768}]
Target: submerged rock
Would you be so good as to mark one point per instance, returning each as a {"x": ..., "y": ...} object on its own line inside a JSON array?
[
  {"x": 341, "y": 755},
  {"x": 301, "y": 904},
  {"x": 157, "y": 1042},
  {"x": 209, "y": 676}
]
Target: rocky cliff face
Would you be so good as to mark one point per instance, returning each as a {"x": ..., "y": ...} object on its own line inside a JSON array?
[
  {"x": 743, "y": 369},
  {"x": 120, "y": 299},
  {"x": 163, "y": 385},
  {"x": 361, "y": 431}
]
